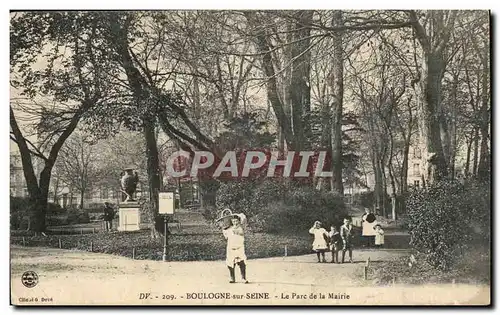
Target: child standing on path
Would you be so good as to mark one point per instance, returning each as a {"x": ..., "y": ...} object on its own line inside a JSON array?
[
  {"x": 379, "y": 236},
  {"x": 320, "y": 244},
  {"x": 335, "y": 241},
  {"x": 346, "y": 232},
  {"x": 235, "y": 251}
]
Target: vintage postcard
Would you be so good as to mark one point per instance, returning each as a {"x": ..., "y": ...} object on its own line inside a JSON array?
[{"x": 263, "y": 157}]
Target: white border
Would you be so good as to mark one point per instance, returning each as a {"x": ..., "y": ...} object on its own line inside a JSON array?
[{"x": 187, "y": 4}]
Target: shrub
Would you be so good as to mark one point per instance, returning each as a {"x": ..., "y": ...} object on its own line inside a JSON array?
[
  {"x": 56, "y": 220},
  {"x": 77, "y": 217},
  {"x": 307, "y": 205},
  {"x": 277, "y": 206},
  {"x": 444, "y": 218},
  {"x": 19, "y": 207},
  {"x": 54, "y": 208}
]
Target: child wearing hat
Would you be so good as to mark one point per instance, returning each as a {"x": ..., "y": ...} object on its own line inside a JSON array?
[
  {"x": 235, "y": 250},
  {"x": 320, "y": 243},
  {"x": 379, "y": 235}
]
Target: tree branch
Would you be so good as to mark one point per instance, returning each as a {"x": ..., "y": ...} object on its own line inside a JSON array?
[{"x": 419, "y": 31}]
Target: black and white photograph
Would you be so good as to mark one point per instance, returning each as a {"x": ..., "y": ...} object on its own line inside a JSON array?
[{"x": 320, "y": 157}]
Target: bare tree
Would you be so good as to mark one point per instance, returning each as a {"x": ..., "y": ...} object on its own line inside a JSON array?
[
  {"x": 433, "y": 30},
  {"x": 78, "y": 166}
]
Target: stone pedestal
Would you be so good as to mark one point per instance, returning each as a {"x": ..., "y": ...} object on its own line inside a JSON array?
[{"x": 130, "y": 217}]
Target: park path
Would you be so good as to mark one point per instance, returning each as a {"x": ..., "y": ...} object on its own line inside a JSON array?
[{"x": 74, "y": 277}]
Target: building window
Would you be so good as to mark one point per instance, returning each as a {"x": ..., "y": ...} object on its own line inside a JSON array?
[
  {"x": 417, "y": 153},
  {"x": 416, "y": 183},
  {"x": 416, "y": 169},
  {"x": 104, "y": 194}
]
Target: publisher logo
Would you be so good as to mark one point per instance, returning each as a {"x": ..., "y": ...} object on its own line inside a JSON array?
[{"x": 29, "y": 279}]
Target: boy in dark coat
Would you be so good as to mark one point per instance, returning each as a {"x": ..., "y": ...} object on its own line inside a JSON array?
[
  {"x": 335, "y": 243},
  {"x": 109, "y": 215},
  {"x": 347, "y": 234}
]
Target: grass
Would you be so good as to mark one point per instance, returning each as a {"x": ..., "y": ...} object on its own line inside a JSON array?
[
  {"x": 191, "y": 243},
  {"x": 197, "y": 240},
  {"x": 473, "y": 267}
]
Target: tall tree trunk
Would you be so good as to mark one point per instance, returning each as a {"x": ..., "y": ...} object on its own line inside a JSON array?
[
  {"x": 286, "y": 82},
  {"x": 404, "y": 174},
  {"x": 300, "y": 93},
  {"x": 153, "y": 168},
  {"x": 383, "y": 191},
  {"x": 140, "y": 89},
  {"x": 432, "y": 122},
  {"x": 82, "y": 197},
  {"x": 281, "y": 142},
  {"x": 326, "y": 139},
  {"x": 378, "y": 178},
  {"x": 42, "y": 198},
  {"x": 467, "y": 161},
  {"x": 196, "y": 100},
  {"x": 391, "y": 177},
  {"x": 483, "y": 171},
  {"x": 434, "y": 36},
  {"x": 445, "y": 139},
  {"x": 453, "y": 126},
  {"x": 475, "y": 158},
  {"x": 405, "y": 164},
  {"x": 273, "y": 94},
  {"x": 338, "y": 98},
  {"x": 39, "y": 191}
]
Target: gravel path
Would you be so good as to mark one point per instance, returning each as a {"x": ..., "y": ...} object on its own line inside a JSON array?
[{"x": 82, "y": 278}]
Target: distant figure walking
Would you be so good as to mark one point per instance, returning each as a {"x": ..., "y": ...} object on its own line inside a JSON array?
[
  {"x": 109, "y": 215},
  {"x": 347, "y": 234},
  {"x": 320, "y": 243}
]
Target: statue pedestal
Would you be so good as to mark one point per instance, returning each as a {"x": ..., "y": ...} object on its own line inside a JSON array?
[{"x": 129, "y": 217}]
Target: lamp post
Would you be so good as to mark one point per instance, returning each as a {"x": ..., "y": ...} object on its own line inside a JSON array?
[
  {"x": 166, "y": 205},
  {"x": 164, "y": 257}
]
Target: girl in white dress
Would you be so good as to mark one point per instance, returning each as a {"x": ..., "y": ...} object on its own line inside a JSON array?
[
  {"x": 320, "y": 243},
  {"x": 235, "y": 250},
  {"x": 379, "y": 236}
]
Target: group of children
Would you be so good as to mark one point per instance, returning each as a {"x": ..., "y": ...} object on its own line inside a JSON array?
[
  {"x": 324, "y": 241},
  {"x": 335, "y": 240}
]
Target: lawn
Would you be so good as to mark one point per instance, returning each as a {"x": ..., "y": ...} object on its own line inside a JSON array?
[
  {"x": 188, "y": 244},
  {"x": 196, "y": 240}
]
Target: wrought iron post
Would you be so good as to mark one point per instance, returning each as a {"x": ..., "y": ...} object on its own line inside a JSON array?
[{"x": 164, "y": 258}]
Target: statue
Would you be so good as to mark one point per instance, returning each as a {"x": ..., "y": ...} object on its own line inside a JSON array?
[{"x": 129, "y": 183}]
